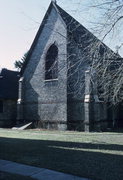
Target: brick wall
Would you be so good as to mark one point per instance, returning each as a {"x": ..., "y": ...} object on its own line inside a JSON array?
[{"x": 46, "y": 101}]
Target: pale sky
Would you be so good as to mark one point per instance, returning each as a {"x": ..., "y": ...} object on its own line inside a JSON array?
[{"x": 20, "y": 20}]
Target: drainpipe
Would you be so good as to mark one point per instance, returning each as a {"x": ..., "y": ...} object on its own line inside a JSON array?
[
  {"x": 87, "y": 101},
  {"x": 20, "y": 103}
]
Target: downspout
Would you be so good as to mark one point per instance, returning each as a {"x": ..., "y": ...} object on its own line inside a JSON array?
[
  {"x": 87, "y": 101},
  {"x": 20, "y": 103}
]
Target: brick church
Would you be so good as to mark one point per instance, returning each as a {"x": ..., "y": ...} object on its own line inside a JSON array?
[{"x": 55, "y": 88}]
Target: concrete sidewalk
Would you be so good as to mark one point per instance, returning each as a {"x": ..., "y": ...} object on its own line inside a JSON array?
[{"x": 35, "y": 172}]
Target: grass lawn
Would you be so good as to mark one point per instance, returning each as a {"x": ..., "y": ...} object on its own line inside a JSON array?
[
  {"x": 8, "y": 176},
  {"x": 98, "y": 156}
]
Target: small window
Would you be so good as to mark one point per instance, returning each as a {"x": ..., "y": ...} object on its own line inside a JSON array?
[
  {"x": 1, "y": 106},
  {"x": 51, "y": 63}
]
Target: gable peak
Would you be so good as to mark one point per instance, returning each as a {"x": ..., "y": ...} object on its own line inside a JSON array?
[{"x": 54, "y": 1}]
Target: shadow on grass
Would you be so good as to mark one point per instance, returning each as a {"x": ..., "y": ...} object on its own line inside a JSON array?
[
  {"x": 9, "y": 176},
  {"x": 69, "y": 157}
]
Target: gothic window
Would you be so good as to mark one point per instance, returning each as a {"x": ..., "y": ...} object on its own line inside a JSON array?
[
  {"x": 51, "y": 63},
  {"x": 1, "y": 106}
]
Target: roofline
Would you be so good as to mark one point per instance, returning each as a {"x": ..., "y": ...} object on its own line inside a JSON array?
[
  {"x": 5, "y": 69},
  {"x": 119, "y": 56},
  {"x": 44, "y": 21},
  {"x": 56, "y": 7}
]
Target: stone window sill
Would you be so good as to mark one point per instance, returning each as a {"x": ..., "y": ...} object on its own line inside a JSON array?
[{"x": 50, "y": 80}]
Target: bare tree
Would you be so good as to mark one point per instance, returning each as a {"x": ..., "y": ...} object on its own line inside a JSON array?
[
  {"x": 109, "y": 67},
  {"x": 112, "y": 15}
]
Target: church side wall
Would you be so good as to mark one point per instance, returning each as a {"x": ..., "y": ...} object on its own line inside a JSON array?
[
  {"x": 45, "y": 101},
  {"x": 78, "y": 64},
  {"x": 91, "y": 115}
]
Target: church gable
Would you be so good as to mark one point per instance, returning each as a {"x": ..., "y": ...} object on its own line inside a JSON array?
[
  {"x": 52, "y": 29},
  {"x": 52, "y": 36},
  {"x": 44, "y": 89}
]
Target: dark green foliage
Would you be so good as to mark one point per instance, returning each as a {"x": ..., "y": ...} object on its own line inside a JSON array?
[{"x": 19, "y": 63}]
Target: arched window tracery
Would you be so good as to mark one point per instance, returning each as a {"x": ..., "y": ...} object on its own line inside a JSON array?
[{"x": 51, "y": 63}]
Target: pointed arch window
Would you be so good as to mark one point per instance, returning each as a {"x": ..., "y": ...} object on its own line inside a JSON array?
[{"x": 51, "y": 63}]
